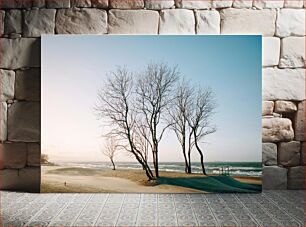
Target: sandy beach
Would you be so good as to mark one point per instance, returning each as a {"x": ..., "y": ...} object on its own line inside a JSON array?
[{"x": 93, "y": 180}]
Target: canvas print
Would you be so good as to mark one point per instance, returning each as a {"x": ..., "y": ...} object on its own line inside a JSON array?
[{"x": 151, "y": 114}]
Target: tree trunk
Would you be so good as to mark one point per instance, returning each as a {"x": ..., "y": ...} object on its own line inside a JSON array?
[
  {"x": 114, "y": 167},
  {"x": 156, "y": 165},
  {"x": 200, "y": 152}
]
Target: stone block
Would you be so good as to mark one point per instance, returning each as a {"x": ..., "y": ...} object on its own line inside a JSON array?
[
  {"x": 293, "y": 52},
  {"x": 290, "y": 22},
  {"x": 56, "y": 4},
  {"x": 248, "y": 21},
  {"x": 285, "y": 107},
  {"x": 208, "y": 22},
  {"x": 267, "y": 108},
  {"x": 7, "y": 81},
  {"x": 178, "y": 21},
  {"x": 283, "y": 84},
  {"x": 38, "y": 3},
  {"x": 242, "y": 4},
  {"x": 293, "y": 4},
  {"x": 38, "y": 22},
  {"x": 269, "y": 154},
  {"x": 25, "y": 180},
  {"x": 289, "y": 154},
  {"x": 270, "y": 51},
  {"x": 103, "y": 4},
  {"x": 299, "y": 122},
  {"x": 20, "y": 53},
  {"x": 3, "y": 121},
  {"x": 221, "y": 3},
  {"x": 303, "y": 160},
  {"x": 13, "y": 21},
  {"x": 15, "y": 4},
  {"x": 80, "y": 3},
  {"x": 262, "y": 4},
  {"x": 296, "y": 176},
  {"x": 24, "y": 122},
  {"x": 2, "y": 15},
  {"x": 33, "y": 154},
  {"x": 133, "y": 22},
  {"x": 81, "y": 21},
  {"x": 28, "y": 83},
  {"x": 191, "y": 4},
  {"x": 274, "y": 177},
  {"x": 13, "y": 155},
  {"x": 277, "y": 129},
  {"x": 126, "y": 4},
  {"x": 159, "y": 4}
]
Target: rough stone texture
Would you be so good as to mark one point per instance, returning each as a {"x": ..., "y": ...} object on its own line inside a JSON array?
[
  {"x": 27, "y": 85},
  {"x": 290, "y": 22},
  {"x": 15, "y": 4},
  {"x": 178, "y": 21},
  {"x": 269, "y": 154},
  {"x": 285, "y": 107},
  {"x": 13, "y": 21},
  {"x": 293, "y": 3},
  {"x": 39, "y": 3},
  {"x": 140, "y": 22},
  {"x": 7, "y": 80},
  {"x": 270, "y": 51},
  {"x": 38, "y": 22},
  {"x": 242, "y": 4},
  {"x": 33, "y": 154},
  {"x": 80, "y": 3},
  {"x": 267, "y": 107},
  {"x": 103, "y": 4},
  {"x": 299, "y": 122},
  {"x": 25, "y": 180},
  {"x": 274, "y": 177},
  {"x": 20, "y": 53},
  {"x": 248, "y": 21},
  {"x": 296, "y": 177},
  {"x": 2, "y": 15},
  {"x": 81, "y": 21},
  {"x": 24, "y": 122},
  {"x": 283, "y": 84},
  {"x": 191, "y": 4},
  {"x": 303, "y": 160},
  {"x": 276, "y": 130},
  {"x": 261, "y": 4},
  {"x": 159, "y": 4},
  {"x": 56, "y": 4},
  {"x": 3, "y": 121},
  {"x": 289, "y": 154},
  {"x": 293, "y": 52},
  {"x": 126, "y": 4},
  {"x": 13, "y": 155},
  {"x": 221, "y": 3},
  {"x": 208, "y": 22}
]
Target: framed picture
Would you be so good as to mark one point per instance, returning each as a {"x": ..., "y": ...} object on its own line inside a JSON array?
[{"x": 151, "y": 114}]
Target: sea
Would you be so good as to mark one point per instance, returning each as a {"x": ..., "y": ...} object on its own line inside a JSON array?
[{"x": 247, "y": 169}]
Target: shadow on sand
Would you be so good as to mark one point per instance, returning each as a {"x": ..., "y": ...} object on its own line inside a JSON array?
[{"x": 212, "y": 184}]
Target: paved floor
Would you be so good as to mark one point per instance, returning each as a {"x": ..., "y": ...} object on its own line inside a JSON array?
[{"x": 270, "y": 208}]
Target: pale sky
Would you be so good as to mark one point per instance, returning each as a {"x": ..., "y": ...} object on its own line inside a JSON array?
[{"x": 74, "y": 67}]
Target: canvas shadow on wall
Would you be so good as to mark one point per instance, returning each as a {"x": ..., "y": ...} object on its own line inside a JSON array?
[{"x": 151, "y": 114}]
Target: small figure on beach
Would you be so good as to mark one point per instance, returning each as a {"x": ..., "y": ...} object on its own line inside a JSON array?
[{"x": 65, "y": 184}]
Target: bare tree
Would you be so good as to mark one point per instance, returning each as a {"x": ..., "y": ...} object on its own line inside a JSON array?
[
  {"x": 110, "y": 148},
  {"x": 179, "y": 114},
  {"x": 199, "y": 120},
  {"x": 154, "y": 95},
  {"x": 115, "y": 104}
]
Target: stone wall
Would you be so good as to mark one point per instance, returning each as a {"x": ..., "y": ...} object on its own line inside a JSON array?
[{"x": 281, "y": 22}]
